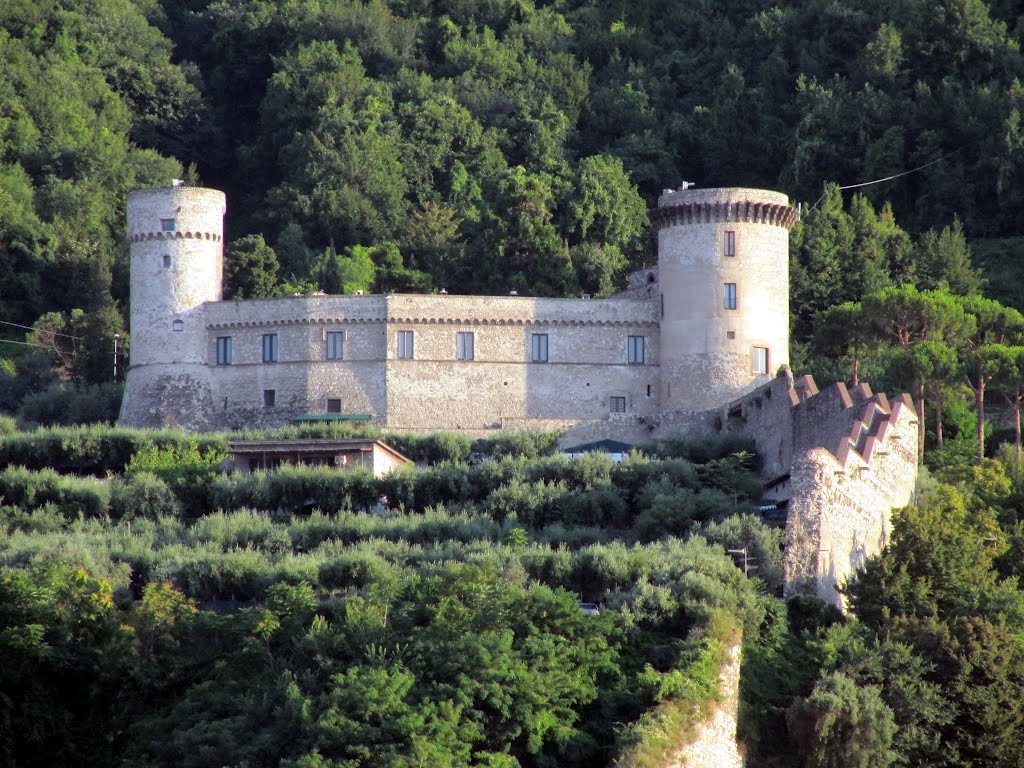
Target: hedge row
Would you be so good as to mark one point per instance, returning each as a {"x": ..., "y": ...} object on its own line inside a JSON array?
[
  {"x": 92, "y": 450},
  {"x": 548, "y": 481},
  {"x": 100, "y": 450},
  {"x": 73, "y": 496}
]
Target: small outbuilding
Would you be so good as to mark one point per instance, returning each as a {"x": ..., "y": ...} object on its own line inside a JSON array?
[{"x": 340, "y": 453}]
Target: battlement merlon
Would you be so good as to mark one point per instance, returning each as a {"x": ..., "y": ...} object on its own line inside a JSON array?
[{"x": 724, "y": 205}]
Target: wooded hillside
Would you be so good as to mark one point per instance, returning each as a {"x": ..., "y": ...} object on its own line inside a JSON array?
[{"x": 480, "y": 146}]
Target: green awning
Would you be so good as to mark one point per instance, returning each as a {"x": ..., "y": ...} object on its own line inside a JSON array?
[{"x": 306, "y": 418}]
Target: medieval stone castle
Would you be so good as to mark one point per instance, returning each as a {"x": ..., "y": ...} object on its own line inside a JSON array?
[{"x": 698, "y": 345}]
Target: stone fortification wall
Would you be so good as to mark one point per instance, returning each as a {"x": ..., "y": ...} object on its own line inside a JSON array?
[
  {"x": 303, "y": 378},
  {"x": 159, "y": 396},
  {"x": 175, "y": 239},
  {"x": 843, "y": 489},
  {"x": 586, "y": 364},
  {"x": 641, "y": 285},
  {"x": 501, "y": 386},
  {"x": 723, "y": 275},
  {"x": 766, "y": 415},
  {"x": 715, "y": 745}
]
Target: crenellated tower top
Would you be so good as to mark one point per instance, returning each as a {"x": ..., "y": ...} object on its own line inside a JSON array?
[{"x": 722, "y": 206}]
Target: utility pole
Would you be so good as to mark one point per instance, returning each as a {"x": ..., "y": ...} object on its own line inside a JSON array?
[{"x": 746, "y": 560}]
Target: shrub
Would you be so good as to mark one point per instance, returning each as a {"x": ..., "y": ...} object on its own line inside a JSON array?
[
  {"x": 297, "y": 488},
  {"x": 762, "y": 543},
  {"x": 702, "y": 449},
  {"x": 518, "y": 443},
  {"x": 74, "y": 496},
  {"x": 142, "y": 495},
  {"x": 91, "y": 450},
  {"x": 675, "y": 513},
  {"x": 532, "y": 504},
  {"x": 185, "y": 469},
  {"x": 73, "y": 404},
  {"x": 434, "y": 448},
  {"x": 600, "y": 506}
]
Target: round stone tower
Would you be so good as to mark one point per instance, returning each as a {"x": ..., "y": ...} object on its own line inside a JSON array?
[
  {"x": 175, "y": 237},
  {"x": 723, "y": 274}
]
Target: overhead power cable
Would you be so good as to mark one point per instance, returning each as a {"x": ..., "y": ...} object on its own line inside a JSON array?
[
  {"x": 42, "y": 330},
  {"x": 23, "y": 343},
  {"x": 890, "y": 178}
]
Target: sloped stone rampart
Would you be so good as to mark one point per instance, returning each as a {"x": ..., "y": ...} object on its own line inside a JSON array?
[{"x": 715, "y": 745}]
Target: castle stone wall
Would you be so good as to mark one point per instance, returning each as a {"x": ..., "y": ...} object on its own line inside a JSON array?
[
  {"x": 175, "y": 238},
  {"x": 715, "y": 744},
  {"x": 303, "y": 378},
  {"x": 501, "y": 386},
  {"x": 842, "y": 497},
  {"x": 708, "y": 342}
]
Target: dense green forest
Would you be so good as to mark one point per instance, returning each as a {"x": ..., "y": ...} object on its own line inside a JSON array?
[{"x": 483, "y": 146}]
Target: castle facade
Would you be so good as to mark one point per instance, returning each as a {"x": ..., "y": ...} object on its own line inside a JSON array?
[
  {"x": 698, "y": 345},
  {"x": 711, "y": 325}
]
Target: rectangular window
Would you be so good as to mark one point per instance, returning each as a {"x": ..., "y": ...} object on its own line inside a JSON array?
[
  {"x": 759, "y": 358},
  {"x": 168, "y": 225},
  {"x": 270, "y": 348},
  {"x": 269, "y": 397},
  {"x": 617, "y": 404},
  {"x": 334, "y": 405},
  {"x": 335, "y": 345},
  {"x": 730, "y": 243},
  {"x": 167, "y": 260},
  {"x": 539, "y": 348},
  {"x": 405, "y": 345},
  {"x": 730, "y": 295},
  {"x": 464, "y": 346},
  {"x": 635, "y": 350},
  {"x": 225, "y": 350}
]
